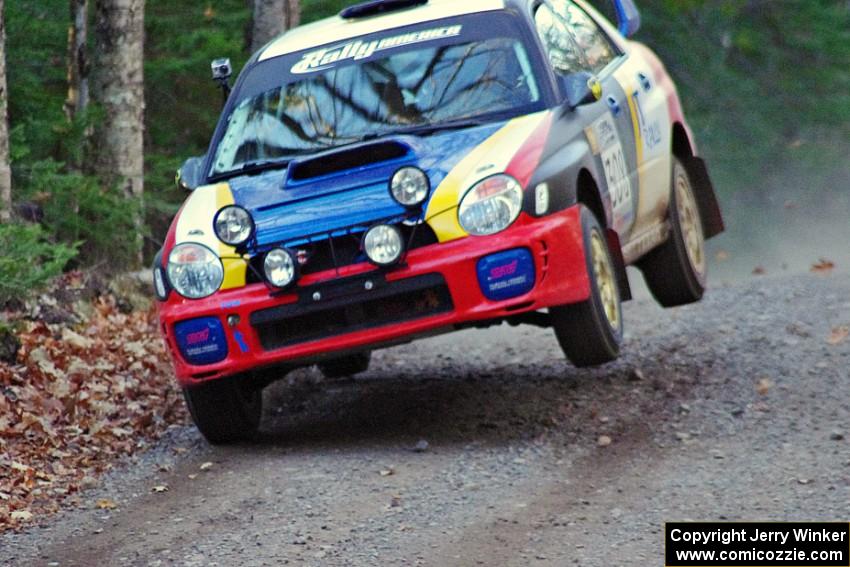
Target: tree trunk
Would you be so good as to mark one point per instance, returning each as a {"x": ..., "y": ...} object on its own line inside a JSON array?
[
  {"x": 5, "y": 169},
  {"x": 118, "y": 88},
  {"x": 78, "y": 65},
  {"x": 272, "y": 18}
]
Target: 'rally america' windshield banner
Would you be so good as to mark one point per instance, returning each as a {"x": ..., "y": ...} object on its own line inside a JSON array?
[{"x": 359, "y": 49}]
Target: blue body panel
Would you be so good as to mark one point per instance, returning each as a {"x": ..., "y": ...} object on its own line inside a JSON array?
[
  {"x": 628, "y": 17},
  {"x": 288, "y": 211}
]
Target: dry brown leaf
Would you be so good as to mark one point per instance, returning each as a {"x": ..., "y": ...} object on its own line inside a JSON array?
[
  {"x": 838, "y": 335},
  {"x": 763, "y": 386},
  {"x": 823, "y": 266},
  {"x": 22, "y": 515},
  {"x": 106, "y": 504}
]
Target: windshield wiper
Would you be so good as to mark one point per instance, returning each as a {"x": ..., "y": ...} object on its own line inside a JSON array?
[{"x": 426, "y": 129}]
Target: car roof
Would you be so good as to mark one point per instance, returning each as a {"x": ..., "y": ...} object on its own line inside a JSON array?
[{"x": 337, "y": 29}]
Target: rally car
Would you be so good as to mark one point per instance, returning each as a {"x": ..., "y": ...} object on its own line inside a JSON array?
[{"x": 412, "y": 167}]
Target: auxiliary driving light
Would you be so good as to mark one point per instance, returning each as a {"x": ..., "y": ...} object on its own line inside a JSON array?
[
  {"x": 410, "y": 186},
  {"x": 383, "y": 245},
  {"x": 280, "y": 267},
  {"x": 233, "y": 225}
]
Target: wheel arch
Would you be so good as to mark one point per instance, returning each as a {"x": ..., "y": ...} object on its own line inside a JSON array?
[
  {"x": 709, "y": 207},
  {"x": 588, "y": 194}
]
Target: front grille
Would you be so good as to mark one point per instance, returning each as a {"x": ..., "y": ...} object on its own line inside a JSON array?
[
  {"x": 347, "y": 308},
  {"x": 340, "y": 251}
]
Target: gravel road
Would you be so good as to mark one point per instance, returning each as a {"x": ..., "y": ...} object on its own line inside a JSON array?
[{"x": 486, "y": 448}]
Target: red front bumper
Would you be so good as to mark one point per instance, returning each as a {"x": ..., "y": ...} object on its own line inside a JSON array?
[{"x": 561, "y": 278}]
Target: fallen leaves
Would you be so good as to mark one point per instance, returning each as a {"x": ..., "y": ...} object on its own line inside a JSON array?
[
  {"x": 105, "y": 504},
  {"x": 838, "y": 335},
  {"x": 82, "y": 393},
  {"x": 823, "y": 266},
  {"x": 21, "y": 516},
  {"x": 763, "y": 386}
]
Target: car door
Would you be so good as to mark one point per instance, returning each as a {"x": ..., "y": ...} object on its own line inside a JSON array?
[{"x": 574, "y": 43}]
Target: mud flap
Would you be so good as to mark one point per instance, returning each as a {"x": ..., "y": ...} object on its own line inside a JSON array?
[
  {"x": 709, "y": 208},
  {"x": 619, "y": 264}
]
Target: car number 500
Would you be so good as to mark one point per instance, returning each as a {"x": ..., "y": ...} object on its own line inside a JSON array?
[{"x": 617, "y": 174}]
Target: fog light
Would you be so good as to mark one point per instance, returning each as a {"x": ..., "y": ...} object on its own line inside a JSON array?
[{"x": 383, "y": 245}]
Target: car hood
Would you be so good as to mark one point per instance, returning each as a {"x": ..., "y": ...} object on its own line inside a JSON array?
[
  {"x": 304, "y": 201},
  {"x": 315, "y": 196}
]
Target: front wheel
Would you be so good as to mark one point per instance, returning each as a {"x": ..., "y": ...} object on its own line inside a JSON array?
[
  {"x": 675, "y": 272},
  {"x": 590, "y": 333},
  {"x": 225, "y": 410}
]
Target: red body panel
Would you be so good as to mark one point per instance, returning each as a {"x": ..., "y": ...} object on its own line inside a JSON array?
[{"x": 561, "y": 278}]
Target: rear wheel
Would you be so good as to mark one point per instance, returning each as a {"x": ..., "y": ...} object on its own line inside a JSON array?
[
  {"x": 590, "y": 333},
  {"x": 347, "y": 365},
  {"x": 225, "y": 410},
  {"x": 676, "y": 271}
]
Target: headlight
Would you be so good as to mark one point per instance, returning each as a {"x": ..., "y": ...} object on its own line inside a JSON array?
[
  {"x": 491, "y": 206},
  {"x": 280, "y": 267},
  {"x": 194, "y": 271},
  {"x": 410, "y": 186},
  {"x": 383, "y": 244},
  {"x": 233, "y": 225}
]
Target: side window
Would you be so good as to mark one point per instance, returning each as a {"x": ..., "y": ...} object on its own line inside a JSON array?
[{"x": 572, "y": 39}]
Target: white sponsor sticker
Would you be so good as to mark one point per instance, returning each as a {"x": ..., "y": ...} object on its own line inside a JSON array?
[
  {"x": 327, "y": 58},
  {"x": 615, "y": 165}
]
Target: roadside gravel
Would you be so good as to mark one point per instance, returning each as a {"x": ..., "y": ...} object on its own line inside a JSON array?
[{"x": 486, "y": 448}]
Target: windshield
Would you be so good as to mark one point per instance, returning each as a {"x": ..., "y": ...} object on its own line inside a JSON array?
[{"x": 423, "y": 84}]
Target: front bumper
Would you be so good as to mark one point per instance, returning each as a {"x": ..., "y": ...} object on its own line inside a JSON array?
[{"x": 439, "y": 284}]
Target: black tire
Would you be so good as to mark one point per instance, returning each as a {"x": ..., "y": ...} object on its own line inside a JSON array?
[
  {"x": 675, "y": 272},
  {"x": 587, "y": 333},
  {"x": 226, "y": 410},
  {"x": 346, "y": 366}
]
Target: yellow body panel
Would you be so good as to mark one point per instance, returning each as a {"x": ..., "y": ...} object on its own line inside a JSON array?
[{"x": 489, "y": 158}]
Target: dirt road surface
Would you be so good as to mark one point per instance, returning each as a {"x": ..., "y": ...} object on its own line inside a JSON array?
[{"x": 487, "y": 448}]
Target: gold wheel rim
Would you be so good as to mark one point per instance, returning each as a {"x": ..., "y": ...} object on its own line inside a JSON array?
[
  {"x": 691, "y": 225},
  {"x": 606, "y": 283}
]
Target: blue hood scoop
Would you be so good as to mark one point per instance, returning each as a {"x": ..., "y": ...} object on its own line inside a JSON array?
[{"x": 359, "y": 157}]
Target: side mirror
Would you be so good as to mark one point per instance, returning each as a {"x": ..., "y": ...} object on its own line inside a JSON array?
[
  {"x": 581, "y": 88},
  {"x": 191, "y": 174}
]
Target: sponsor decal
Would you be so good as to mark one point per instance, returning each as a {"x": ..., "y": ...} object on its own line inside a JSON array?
[
  {"x": 506, "y": 275},
  {"x": 606, "y": 142},
  {"x": 201, "y": 341},
  {"x": 650, "y": 132},
  {"x": 198, "y": 337},
  {"x": 329, "y": 57}
]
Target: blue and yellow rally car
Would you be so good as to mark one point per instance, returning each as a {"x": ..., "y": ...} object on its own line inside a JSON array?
[{"x": 412, "y": 167}]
